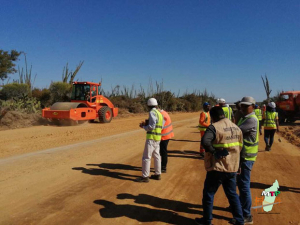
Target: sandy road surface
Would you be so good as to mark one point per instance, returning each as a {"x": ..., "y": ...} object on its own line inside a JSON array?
[{"x": 84, "y": 175}]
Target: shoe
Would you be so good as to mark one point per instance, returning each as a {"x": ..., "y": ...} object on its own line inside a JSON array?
[
  {"x": 200, "y": 221},
  {"x": 247, "y": 220},
  {"x": 142, "y": 179},
  {"x": 267, "y": 148},
  {"x": 155, "y": 177},
  {"x": 163, "y": 170}
]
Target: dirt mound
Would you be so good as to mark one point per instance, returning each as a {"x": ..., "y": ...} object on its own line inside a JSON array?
[
  {"x": 16, "y": 119},
  {"x": 292, "y": 134}
]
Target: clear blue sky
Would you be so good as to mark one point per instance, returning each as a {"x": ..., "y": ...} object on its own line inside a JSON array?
[{"x": 223, "y": 46}]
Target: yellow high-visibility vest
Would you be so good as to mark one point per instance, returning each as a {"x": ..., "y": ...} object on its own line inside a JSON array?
[
  {"x": 155, "y": 134},
  {"x": 250, "y": 149}
]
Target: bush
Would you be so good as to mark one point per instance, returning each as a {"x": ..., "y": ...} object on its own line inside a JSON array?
[
  {"x": 28, "y": 105},
  {"x": 15, "y": 91},
  {"x": 42, "y": 95},
  {"x": 60, "y": 92}
]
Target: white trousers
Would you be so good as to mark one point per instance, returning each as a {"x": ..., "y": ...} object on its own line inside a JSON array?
[{"x": 151, "y": 149}]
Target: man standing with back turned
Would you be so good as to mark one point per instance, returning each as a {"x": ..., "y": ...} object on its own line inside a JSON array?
[
  {"x": 153, "y": 138},
  {"x": 204, "y": 122},
  {"x": 249, "y": 125},
  {"x": 166, "y": 135},
  {"x": 222, "y": 142}
]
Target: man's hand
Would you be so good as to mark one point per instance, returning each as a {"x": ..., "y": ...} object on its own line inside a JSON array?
[
  {"x": 142, "y": 124},
  {"x": 221, "y": 154}
]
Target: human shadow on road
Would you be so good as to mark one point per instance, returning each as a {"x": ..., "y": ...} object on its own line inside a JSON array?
[
  {"x": 183, "y": 140},
  {"x": 144, "y": 214},
  {"x": 184, "y": 154},
  {"x": 281, "y": 188},
  {"x": 157, "y": 202},
  {"x": 106, "y": 173},
  {"x": 116, "y": 166}
]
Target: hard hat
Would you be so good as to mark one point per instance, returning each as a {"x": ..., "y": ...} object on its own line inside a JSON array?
[
  {"x": 221, "y": 100},
  {"x": 247, "y": 101},
  {"x": 272, "y": 105},
  {"x": 152, "y": 102},
  {"x": 205, "y": 104}
]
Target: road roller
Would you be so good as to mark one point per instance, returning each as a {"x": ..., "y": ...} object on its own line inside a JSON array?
[{"x": 87, "y": 104}]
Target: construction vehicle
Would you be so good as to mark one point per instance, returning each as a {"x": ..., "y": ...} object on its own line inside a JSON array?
[
  {"x": 288, "y": 106},
  {"x": 87, "y": 104}
]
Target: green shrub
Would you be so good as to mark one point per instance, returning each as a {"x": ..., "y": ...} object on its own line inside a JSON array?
[
  {"x": 42, "y": 95},
  {"x": 28, "y": 105},
  {"x": 15, "y": 91},
  {"x": 60, "y": 92}
]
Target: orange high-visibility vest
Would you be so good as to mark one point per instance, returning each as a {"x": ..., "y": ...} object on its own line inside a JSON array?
[{"x": 167, "y": 131}]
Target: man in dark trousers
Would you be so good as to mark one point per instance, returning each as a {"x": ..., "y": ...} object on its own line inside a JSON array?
[
  {"x": 166, "y": 135},
  {"x": 222, "y": 142}
]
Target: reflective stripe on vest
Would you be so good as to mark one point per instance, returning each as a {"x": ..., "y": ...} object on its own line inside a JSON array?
[
  {"x": 155, "y": 134},
  {"x": 228, "y": 145},
  {"x": 227, "y": 112},
  {"x": 167, "y": 131},
  {"x": 250, "y": 149},
  {"x": 200, "y": 127},
  {"x": 270, "y": 120},
  {"x": 258, "y": 114}
]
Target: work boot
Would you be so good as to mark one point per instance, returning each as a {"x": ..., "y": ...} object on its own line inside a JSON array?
[
  {"x": 155, "y": 177},
  {"x": 248, "y": 220},
  {"x": 200, "y": 221},
  {"x": 142, "y": 179}
]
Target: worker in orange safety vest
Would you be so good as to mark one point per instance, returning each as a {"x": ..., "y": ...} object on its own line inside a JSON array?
[
  {"x": 166, "y": 135},
  {"x": 204, "y": 122}
]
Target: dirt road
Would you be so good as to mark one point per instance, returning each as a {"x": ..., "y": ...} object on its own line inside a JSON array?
[{"x": 84, "y": 175}]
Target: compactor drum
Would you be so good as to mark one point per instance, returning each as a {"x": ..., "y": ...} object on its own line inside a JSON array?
[{"x": 86, "y": 105}]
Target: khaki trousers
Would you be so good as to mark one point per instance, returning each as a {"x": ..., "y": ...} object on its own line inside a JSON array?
[{"x": 151, "y": 149}]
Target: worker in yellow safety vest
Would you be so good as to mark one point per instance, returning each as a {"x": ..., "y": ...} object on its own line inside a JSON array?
[
  {"x": 249, "y": 125},
  {"x": 204, "y": 122},
  {"x": 271, "y": 124},
  {"x": 258, "y": 114},
  {"x": 166, "y": 135},
  {"x": 227, "y": 109},
  {"x": 153, "y": 127}
]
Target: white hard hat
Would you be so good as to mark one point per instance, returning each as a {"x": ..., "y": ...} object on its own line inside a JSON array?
[
  {"x": 222, "y": 100},
  {"x": 272, "y": 105},
  {"x": 152, "y": 102},
  {"x": 248, "y": 100}
]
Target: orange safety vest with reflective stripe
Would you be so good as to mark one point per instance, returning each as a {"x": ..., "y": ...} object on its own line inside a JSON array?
[
  {"x": 167, "y": 131},
  {"x": 204, "y": 124}
]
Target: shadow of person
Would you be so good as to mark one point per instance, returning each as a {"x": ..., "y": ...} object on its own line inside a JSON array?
[
  {"x": 184, "y": 154},
  {"x": 156, "y": 202},
  {"x": 183, "y": 140},
  {"x": 144, "y": 214},
  {"x": 106, "y": 173},
  {"x": 174, "y": 205},
  {"x": 281, "y": 188},
  {"x": 140, "y": 213},
  {"x": 116, "y": 166}
]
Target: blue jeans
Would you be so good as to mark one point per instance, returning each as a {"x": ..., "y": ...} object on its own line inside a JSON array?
[
  {"x": 212, "y": 182},
  {"x": 243, "y": 181}
]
